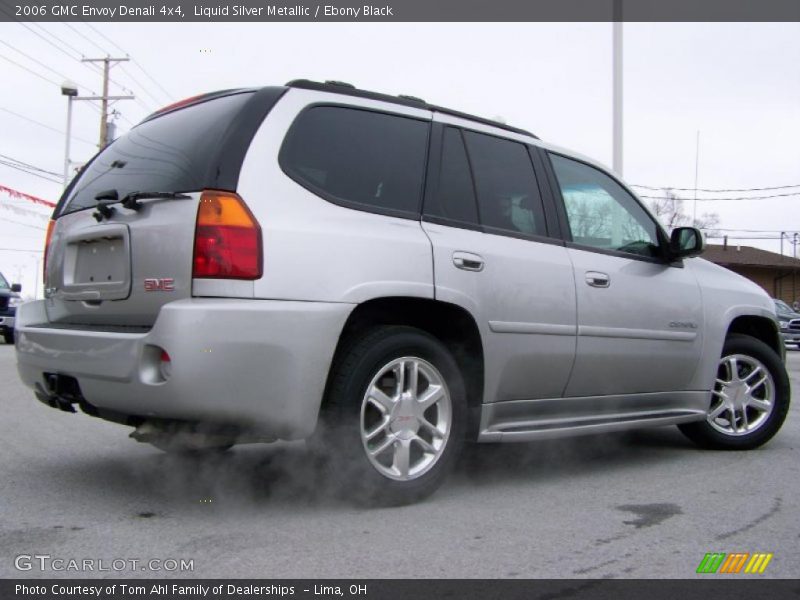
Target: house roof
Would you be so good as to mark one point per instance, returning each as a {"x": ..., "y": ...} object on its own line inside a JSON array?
[{"x": 732, "y": 255}]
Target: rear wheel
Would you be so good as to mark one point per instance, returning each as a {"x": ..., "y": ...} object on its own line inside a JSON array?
[
  {"x": 750, "y": 398},
  {"x": 394, "y": 420}
]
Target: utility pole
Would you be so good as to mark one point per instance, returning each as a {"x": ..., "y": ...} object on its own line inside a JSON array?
[
  {"x": 107, "y": 64},
  {"x": 696, "y": 170},
  {"x": 794, "y": 267},
  {"x": 617, "y": 87}
]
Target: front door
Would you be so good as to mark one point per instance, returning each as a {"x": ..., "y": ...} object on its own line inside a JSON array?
[{"x": 640, "y": 318}]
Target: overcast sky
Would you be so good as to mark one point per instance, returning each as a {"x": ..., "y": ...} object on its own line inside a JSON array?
[{"x": 738, "y": 84}]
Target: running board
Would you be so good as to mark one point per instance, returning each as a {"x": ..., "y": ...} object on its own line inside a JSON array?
[{"x": 526, "y": 420}]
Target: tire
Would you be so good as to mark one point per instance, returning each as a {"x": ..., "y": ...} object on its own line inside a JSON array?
[
  {"x": 384, "y": 447},
  {"x": 8, "y": 337},
  {"x": 748, "y": 413}
]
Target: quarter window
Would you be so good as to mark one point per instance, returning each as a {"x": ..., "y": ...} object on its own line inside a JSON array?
[
  {"x": 601, "y": 213},
  {"x": 508, "y": 195},
  {"x": 366, "y": 159},
  {"x": 455, "y": 195}
]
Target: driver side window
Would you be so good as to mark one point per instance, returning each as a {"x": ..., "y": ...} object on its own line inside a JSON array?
[{"x": 601, "y": 213}]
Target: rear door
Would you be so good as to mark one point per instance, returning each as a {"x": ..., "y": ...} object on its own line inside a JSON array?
[
  {"x": 640, "y": 318},
  {"x": 495, "y": 254},
  {"x": 121, "y": 267}
]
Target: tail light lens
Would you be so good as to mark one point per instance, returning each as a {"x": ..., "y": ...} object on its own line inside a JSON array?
[
  {"x": 49, "y": 234},
  {"x": 227, "y": 238}
]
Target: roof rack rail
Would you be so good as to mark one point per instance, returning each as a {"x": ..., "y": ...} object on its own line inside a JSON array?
[{"x": 347, "y": 89}]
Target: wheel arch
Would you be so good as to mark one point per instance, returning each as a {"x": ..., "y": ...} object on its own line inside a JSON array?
[
  {"x": 451, "y": 324},
  {"x": 761, "y": 328}
]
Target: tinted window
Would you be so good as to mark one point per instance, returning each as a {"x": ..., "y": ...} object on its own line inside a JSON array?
[
  {"x": 171, "y": 153},
  {"x": 357, "y": 157},
  {"x": 455, "y": 194},
  {"x": 601, "y": 213},
  {"x": 508, "y": 196}
]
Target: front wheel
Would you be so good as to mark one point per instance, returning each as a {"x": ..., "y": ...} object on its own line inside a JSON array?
[
  {"x": 750, "y": 398},
  {"x": 8, "y": 337},
  {"x": 395, "y": 415}
]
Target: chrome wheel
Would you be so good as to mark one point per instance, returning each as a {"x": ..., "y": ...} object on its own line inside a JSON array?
[
  {"x": 743, "y": 396},
  {"x": 406, "y": 418}
]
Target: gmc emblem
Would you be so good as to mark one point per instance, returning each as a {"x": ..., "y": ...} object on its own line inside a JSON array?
[{"x": 167, "y": 284}]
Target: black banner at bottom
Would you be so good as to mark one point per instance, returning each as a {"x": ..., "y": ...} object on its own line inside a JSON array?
[{"x": 727, "y": 588}]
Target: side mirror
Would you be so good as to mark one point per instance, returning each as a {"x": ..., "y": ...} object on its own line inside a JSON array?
[
  {"x": 686, "y": 242},
  {"x": 15, "y": 287}
]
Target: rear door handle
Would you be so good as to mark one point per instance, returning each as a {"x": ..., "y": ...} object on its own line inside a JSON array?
[
  {"x": 468, "y": 261},
  {"x": 597, "y": 279}
]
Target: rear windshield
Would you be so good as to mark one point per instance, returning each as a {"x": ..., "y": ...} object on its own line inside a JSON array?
[{"x": 171, "y": 153}]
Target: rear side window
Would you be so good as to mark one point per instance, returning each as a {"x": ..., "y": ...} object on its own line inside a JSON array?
[
  {"x": 362, "y": 159},
  {"x": 454, "y": 200},
  {"x": 508, "y": 195},
  {"x": 171, "y": 153}
]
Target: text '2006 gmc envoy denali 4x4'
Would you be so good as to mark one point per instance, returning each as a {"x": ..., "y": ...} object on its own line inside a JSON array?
[{"x": 388, "y": 279}]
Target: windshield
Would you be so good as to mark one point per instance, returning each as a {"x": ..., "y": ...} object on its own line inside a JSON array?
[
  {"x": 781, "y": 306},
  {"x": 3, "y": 282}
]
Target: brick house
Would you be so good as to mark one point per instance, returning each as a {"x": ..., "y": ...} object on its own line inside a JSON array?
[{"x": 778, "y": 275}]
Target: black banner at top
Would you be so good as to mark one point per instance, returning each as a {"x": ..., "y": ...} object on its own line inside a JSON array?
[{"x": 176, "y": 11}]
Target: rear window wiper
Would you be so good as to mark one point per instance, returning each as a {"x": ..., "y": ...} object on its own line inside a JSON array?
[{"x": 130, "y": 201}]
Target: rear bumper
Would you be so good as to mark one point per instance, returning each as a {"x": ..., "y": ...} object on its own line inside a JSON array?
[{"x": 258, "y": 363}]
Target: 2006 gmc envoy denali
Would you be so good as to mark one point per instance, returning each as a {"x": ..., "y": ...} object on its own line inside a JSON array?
[{"x": 387, "y": 279}]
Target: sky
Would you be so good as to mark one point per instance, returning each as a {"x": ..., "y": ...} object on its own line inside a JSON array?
[{"x": 737, "y": 84}]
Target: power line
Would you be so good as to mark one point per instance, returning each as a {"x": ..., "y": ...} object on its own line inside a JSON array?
[
  {"x": 105, "y": 37},
  {"x": 24, "y": 170},
  {"x": 736, "y": 237},
  {"x": 40, "y": 76},
  {"x": 748, "y": 230},
  {"x": 41, "y": 64},
  {"x": 58, "y": 39},
  {"x": 20, "y": 249},
  {"x": 91, "y": 41},
  {"x": 724, "y": 199},
  {"x": 142, "y": 87},
  {"x": 677, "y": 189},
  {"x": 161, "y": 87},
  {"x": 92, "y": 68},
  {"x": 40, "y": 124},
  {"x": 22, "y": 224},
  {"x": 127, "y": 73},
  {"x": 28, "y": 165},
  {"x": 104, "y": 51}
]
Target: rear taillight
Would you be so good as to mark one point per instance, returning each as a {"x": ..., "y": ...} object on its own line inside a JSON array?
[
  {"x": 49, "y": 234},
  {"x": 227, "y": 238}
]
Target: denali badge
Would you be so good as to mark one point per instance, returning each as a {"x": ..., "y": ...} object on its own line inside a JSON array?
[
  {"x": 683, "y": 324},
  {"x": 167, "y": 284}
]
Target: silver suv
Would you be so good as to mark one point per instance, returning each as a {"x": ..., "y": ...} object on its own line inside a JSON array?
[{"x": 386, "y": 278}]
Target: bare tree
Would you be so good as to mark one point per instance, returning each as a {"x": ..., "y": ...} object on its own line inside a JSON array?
[{"x": 670, "y": 210}]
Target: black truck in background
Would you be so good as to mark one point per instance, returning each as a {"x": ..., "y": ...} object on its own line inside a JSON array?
[{"x": 9, "y": 300}]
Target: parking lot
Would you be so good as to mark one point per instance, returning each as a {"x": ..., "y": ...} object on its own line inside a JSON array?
[{"x": 637, "y": 505}]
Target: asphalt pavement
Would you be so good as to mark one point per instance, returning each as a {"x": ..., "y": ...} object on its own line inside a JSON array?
[{"x": 635, "y": 505}]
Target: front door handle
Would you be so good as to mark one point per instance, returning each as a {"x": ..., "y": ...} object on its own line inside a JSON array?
[
  {"x": 597, "y": 279},
  {"x": 468, "y": 261}
]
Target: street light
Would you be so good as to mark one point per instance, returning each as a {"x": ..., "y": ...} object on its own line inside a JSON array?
[{"x": 70, "y": 90}]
